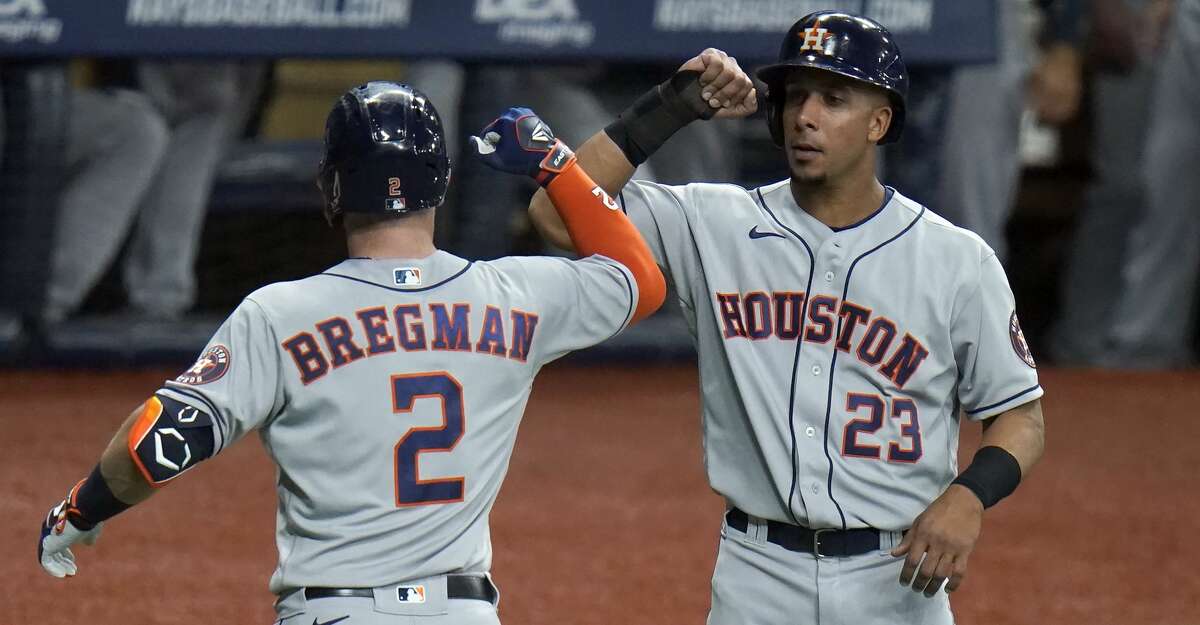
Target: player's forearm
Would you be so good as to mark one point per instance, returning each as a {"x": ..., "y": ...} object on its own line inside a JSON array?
[
  {"x": 1013, "y": 442},
  {"x": 605, "y": 163},
  {"x": 597, "y": 226},
  {"x": 1020, "y": 432},
  {"x": 119, "y": 470},
  {"x": 113, "y": 485}
]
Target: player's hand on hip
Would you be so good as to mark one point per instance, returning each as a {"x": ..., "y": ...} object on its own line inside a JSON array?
[
  {"x": 57, "y": 536},
  {"x": 519, "y": 142},
  {"x": 937, "y": 546},
  {"x": 725, "y": 85}
]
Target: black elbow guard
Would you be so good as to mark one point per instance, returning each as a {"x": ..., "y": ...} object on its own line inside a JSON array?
[{"x": 168, "y": 438}]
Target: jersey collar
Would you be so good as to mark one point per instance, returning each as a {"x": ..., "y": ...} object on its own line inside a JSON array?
[
  {"x": 888, "y": 192},
  {"x": 402, "y": 274},
  {"x": 885, "y": 222}
]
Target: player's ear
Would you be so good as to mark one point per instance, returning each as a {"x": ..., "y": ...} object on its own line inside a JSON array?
[{"x": 879, "y": 122}]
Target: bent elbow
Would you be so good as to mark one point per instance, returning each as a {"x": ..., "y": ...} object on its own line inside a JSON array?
[{"x": 652, "y": 292}]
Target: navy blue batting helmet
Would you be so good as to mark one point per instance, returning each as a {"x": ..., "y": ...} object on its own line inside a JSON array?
[
  {"x": 845, "y": 44},
  {"x": 385, "y": 152}
]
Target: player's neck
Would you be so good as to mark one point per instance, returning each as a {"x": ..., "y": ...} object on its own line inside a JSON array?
[
  {"x": 838, "y": 204},
  {"x": 407, "y": 238}
]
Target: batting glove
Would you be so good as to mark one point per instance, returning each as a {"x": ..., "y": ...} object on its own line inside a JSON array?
[
  {"x": 519, "y": 142},
  {"x": 58, "y": 534}
]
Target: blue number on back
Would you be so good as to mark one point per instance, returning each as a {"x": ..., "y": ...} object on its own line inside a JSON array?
[{"x": 411, "y": 490}]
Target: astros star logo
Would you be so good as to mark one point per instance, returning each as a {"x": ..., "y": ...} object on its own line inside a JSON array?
[
  {"x": 815, "y": 38},
  {"x": 204, "y": 364},
  {"x": 209, "y": 367}
]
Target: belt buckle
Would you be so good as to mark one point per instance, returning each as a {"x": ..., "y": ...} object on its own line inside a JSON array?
[{"x": 817, "y": 541}]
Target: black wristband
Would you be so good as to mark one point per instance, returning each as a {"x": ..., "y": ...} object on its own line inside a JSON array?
[
  {"x": 993, "y": 475},
  {"x": 94, "y": 502},
  {"x": 659, "y": 113}
]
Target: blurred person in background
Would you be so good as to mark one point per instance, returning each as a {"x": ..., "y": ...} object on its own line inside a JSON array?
[
  {"x": 1154, "y": 317},
  {"x": 115, "y": 144},
  {"x": 981, "y": 162},
  {"x": 143, "y": 166},
  {"x": 205, "y": 105},
  {"x": 1124, "y": 52},
  {"x": 35, "y": 101}
]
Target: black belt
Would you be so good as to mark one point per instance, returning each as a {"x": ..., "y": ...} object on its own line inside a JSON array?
[
  {"x": 457, "y": 587},
  {"x": 821, "y": 543}
]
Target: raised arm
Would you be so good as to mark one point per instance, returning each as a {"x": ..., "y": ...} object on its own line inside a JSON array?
[
  {"x": 519, "y": 142},
  {"x": 711, "y": 84},
  {"x": 605, "y": 164}
]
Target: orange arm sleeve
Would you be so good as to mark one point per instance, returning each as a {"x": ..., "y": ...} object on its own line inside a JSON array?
[{"x": 598, "y": 226}]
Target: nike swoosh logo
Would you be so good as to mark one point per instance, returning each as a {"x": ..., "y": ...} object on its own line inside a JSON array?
[
  {"x": 755, "y": 234},
  {"x": 336, "y": 620}
]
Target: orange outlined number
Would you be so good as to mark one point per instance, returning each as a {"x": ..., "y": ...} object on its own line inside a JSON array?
[
  {"x": 901, "y": 408},
  {"x": 411, "y": 490},
  {"x": 867, "y": 425},
  {"x": 910, "y": 428},
  {"x": 394, "y": 187}
]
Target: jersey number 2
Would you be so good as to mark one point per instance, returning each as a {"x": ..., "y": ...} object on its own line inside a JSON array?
[{"x": 411, "y": 490}]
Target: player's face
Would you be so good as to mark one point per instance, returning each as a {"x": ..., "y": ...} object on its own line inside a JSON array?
[{"x": 830, "y": 125}]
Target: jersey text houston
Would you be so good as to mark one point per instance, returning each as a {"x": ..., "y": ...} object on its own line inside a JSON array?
[{"x": 759, "y": 315}]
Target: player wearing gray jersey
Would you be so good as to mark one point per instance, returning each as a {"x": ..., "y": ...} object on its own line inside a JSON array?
[
  {"x": 842, "y": 329},
  {"x": 388, "y": 388}
]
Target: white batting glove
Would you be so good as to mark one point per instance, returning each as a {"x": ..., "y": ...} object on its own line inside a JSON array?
[{"x": 58, "y": 534}]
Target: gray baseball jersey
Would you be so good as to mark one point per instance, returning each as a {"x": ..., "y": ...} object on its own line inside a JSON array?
[
  {"x": 834, "y": 363},
  {"x": 388, "y": 392}
]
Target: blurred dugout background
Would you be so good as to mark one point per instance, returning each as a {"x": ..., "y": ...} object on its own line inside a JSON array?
[{"x": 142, "y": 197}]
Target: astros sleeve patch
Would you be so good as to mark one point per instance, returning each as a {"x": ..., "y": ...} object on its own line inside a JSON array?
[{"x": 168, "y": 438}]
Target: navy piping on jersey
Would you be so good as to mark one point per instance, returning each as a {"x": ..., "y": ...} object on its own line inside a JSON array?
[
  {"x": 629, "y": 286},
  {"x": 216, "y": 416},
  {"x": 1005, "y": 401},
  {"x": 888, "y": 192},
  {"x": 812, "y": 262},
  {"x": 398, "y": 290},
  {"x": 833, "y": 361}
]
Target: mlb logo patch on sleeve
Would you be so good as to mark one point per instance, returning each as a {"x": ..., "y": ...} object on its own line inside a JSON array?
[{"x": 407, "y": 276}]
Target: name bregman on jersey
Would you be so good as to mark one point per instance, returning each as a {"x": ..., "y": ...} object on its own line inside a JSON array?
[
  {"x": 780, "y": 314},
  {"x": 376, "y": 332}
]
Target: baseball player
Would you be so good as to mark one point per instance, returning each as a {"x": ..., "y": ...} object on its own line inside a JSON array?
[
  {"x": 842, "y": 330},
  {"x": 387, "y": 389}
]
